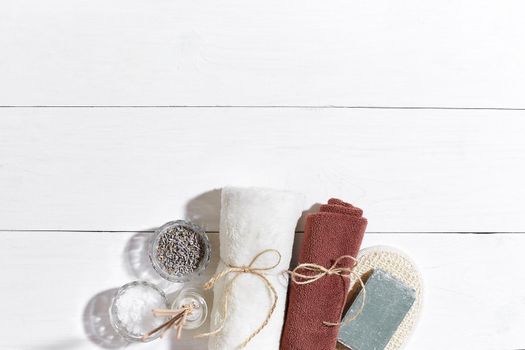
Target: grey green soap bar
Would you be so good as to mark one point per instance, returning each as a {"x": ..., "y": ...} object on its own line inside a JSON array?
[{"x": 387, "y": 302}]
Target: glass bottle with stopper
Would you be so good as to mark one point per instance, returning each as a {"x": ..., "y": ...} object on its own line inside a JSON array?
[{"x": 139, "y": 312}]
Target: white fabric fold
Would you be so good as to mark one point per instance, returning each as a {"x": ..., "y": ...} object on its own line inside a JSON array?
[{"x": 253, "y": 220}]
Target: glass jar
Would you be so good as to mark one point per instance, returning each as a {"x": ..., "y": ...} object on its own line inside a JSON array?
[
  {"x": 179, "y": 250},
  {"x": 131, "y": 313},
  {"x": 190, "y": 296}
]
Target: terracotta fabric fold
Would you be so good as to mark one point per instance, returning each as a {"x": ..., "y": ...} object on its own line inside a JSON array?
[{"x": 336, "y": 230}]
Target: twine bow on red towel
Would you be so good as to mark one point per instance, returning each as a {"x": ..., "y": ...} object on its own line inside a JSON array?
[{"x": 309, "y": 273}]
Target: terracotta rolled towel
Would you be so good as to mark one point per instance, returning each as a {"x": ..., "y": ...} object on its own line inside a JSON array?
[
  {"x": 252, "y": 221},
  {"x": 335, "y": 231}
]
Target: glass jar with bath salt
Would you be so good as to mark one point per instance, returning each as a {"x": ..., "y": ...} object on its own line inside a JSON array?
[
  {"x": 179, "y": 251},
  {"x": 131, "y": 310},
  {"x": 199, "y": 312}
]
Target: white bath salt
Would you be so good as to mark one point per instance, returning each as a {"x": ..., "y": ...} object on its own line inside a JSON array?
[{"x": 134, "y": 309}]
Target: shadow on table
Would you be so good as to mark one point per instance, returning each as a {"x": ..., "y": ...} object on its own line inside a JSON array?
[
  {"x": 66, "y": 344},
  {"x": 313, "y": 209},
  {"x": 136, "y": 260},
  {"x": 205, "y": 210},
  {"x": 97, "y": 324},
  {"x": 299, "y": 235}
]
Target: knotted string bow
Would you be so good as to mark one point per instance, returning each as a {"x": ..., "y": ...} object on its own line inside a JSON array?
[
  {"x": 177, "y": 320},
  {"x": 309, "y": 273},
  {"x": 239, "y": 270}
]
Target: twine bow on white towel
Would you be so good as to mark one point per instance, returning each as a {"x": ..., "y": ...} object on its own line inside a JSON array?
[{"x": 239, "y": 270}]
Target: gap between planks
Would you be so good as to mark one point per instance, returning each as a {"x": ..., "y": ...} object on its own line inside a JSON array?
[{"x": 275, "y": 106}]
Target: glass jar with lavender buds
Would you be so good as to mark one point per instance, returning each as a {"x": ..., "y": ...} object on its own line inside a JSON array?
[{"x": 179, "y": 250}]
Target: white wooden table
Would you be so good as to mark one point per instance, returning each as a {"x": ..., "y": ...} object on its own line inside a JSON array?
[{"x": 118, "y": 116}]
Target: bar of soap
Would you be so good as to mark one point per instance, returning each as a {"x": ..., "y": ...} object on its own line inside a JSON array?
[{"x": 387, "y": 302}]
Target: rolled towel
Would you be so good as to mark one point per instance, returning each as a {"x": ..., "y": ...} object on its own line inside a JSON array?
[
  {"x": 253, "y": 220},
  {"x": 335, "y": 231}
]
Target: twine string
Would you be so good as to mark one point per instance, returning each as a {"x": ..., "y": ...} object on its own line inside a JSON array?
[
  {"x": 239, "y": 270},
  {"x": 309, "y": 273},
  {"x": 177, "y": 320}
]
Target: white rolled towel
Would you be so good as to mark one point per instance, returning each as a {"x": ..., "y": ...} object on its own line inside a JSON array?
[{"x": 252, "y": 221}]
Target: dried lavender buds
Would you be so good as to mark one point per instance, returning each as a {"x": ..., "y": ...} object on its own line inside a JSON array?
[{"x": 178, "y": 250}]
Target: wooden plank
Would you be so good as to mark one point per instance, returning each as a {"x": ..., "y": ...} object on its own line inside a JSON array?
[
  {"x": 131, "y": 52},
  {"x": 134, "y": 169},
  {"x": 51, "y": 284}
]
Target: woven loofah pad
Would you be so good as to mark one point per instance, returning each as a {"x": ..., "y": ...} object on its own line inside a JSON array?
[{"x": 401, "y": 267}]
